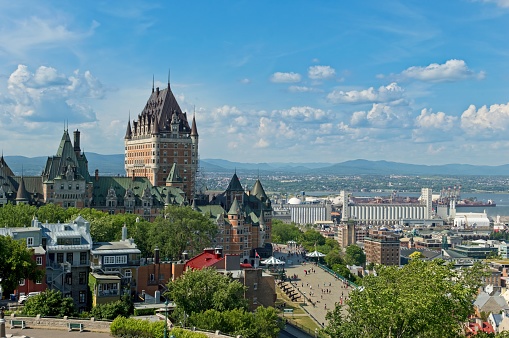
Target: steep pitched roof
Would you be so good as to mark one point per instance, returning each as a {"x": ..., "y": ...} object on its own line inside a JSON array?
[
  {"x": 194, "y": 130},
  {"x": 128, "y": 132},
  {"x": 234, "y": 184},
  {"x": 22, "y": 194},
  {"x": 4, "y": 168},
  {"x": 258, "y": 191},
  {"x": 174, "y": 175},
  {"x": 235, "y": 208}
]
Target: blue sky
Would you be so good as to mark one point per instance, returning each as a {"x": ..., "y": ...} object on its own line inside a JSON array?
[{"x": 423, "y": 82}]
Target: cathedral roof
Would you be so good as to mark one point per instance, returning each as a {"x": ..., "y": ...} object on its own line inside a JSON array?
[{"x": 258, "y": 191}]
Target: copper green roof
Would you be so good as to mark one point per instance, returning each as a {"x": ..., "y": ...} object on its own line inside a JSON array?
[
  {"x": 258, "y": 191},
  {"x": 235, "y": 209},
  {"x": 174, "y": 175}
]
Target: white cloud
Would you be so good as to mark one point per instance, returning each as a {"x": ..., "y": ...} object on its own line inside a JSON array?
[
  {"x": 280, "y": 77},
  {"x": 439, "y": 120},
  {"x": 19, "y": 36},
  {"x": 494, "y": 118},
  {"x": 225, "y": 112},
  {"x": 451, "y": 70},
  {"x": 49, "y": 96},
  {"x": 434, "y": 150},
  {"x": 384, "y": 94},
  {"x": 303, "y": 89},
  {"x": 302, "y": 113},
  {"x": 245, "y": 81},
  {"x": 381, "y": 116},
  {"x": 321, "y": 72}
]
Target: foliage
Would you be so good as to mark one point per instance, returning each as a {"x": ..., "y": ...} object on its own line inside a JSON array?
[
  {"x": 421, "y": 299},
  {"x": 144, "y": 312},
  {"x": 16, "y": 263},
  {"x": 18, "y": 215},
  {"x": 182, "y": 333},
  {"x": 263, "y": 323},
  {"x": 354, "y": 255},
  {"x": 334, "y": 257},
  {"x": 181, "y": 228},
  {"x": 283, "y": 232},
  {"x": 311, "y": 238},
  {"x": 200, "y": 290},
  {"x": 110, "y": 311},
  {"x": 342, "y": 270},
  {"x": 128, "y": 327},
  {"x": 49, "y": 303},
  {"x": 416, "y": 255}
]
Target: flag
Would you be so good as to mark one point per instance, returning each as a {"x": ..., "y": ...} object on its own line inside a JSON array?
[{"x": 256, "y": 254}]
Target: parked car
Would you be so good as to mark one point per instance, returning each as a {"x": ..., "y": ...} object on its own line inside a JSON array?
[{"x": 23, "y": 298}]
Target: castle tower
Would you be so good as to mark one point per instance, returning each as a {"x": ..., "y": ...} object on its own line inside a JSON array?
[{"x": 160, "y": 138}]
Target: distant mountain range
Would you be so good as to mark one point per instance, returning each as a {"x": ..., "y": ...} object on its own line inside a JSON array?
[{"x": 114, "y": 165}]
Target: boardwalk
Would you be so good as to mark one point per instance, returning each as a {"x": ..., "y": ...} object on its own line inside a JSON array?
[{"x": 317, "y": 285}]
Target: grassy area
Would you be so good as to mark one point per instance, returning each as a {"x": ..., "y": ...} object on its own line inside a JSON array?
[{"x": 283, "y": 298}]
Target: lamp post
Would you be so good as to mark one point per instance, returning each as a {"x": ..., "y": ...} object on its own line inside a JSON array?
[{"x": 166, "y": 319}]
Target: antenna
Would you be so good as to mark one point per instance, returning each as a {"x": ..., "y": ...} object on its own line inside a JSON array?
[{"x": 168, "y": 77}]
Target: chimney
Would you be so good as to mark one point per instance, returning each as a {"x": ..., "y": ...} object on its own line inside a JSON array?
[
  {"x": 157, "y": 91},
  {"x": 156, "y": 255},
  {"x": 77, "y": 141},
  {"x": 97, "y": 175},
  {"x": 124, "y": 233}
]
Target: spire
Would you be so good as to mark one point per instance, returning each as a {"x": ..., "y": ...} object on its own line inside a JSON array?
[
  {"x": 128, "y": 132},
  {"x": 168, "y": 78},
  {"x": 153, "y": 81},
  {"x": 22, "y": 194},
  {"x": 194, "y": 130}
]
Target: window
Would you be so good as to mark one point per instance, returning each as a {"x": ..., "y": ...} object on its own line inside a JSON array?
[
  {"x": 128, "y": 274},
  {"x": 22, "y": 282},
  {"x": 109, "y": 260},
  {"x": 69, "y": 257},
  {"x": 30, "y": 241},
  {"x": 152, "y": 277},
  {"x": 38, "y": 260},
  {"x": 83, "y": 278},
  {"x": 60, "y": 257},
  {"x": 121, "y": 259},
  {"x": 255, "y": 286},
  {"x": 83, "y": 258},
  {"x": 68, "y": 278},
  {"x": 38, "y": 281},
  {"x": 82, "y": 297}
]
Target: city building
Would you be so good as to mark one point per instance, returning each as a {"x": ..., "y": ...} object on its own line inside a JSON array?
[
  {"x": 113, "y": 268},
  {"x": 382, "y": 247},
  {"x": 244, "y": 220},
  {"x": 161, "y": 144},
  {"x": 33, "y": 237}
]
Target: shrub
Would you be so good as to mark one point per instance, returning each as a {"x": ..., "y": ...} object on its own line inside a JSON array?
[
  {"x": 181, "y": 333},
  {"x": 144, "y": 312},
  {"x": 128, "y": 327}
]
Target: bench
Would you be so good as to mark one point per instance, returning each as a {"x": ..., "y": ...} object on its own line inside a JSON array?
[
  {"x": 75, "y": 326},
  {"x": 19, "y": 323}
]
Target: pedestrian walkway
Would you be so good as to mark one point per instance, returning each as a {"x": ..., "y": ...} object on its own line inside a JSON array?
[
  {"x": 52, "y": 333},
  {"x": 315, "y": 284}
]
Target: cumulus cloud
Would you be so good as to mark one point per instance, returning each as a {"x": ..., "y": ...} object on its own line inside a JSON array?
[
  {"x": 304, "y": 113},
  {"x": 321, "y": 72},
  {"x": 384, "y": 94},
  {"x": 439, "y": 120},
  {"x": 47, "y": 95},
  {"x": 280, "y": 77},
  {"x": 225, "y": 111},
  {"x": 450, "y": 71},
  {"x": 494, "y": 118},
  {"x": 380, "y": 116}
]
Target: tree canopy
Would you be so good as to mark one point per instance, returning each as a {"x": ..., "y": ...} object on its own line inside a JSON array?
[
  {"x": 355, "y": 256},
  {"x": 181, "y": 228},
  {"x": 49, "y": 303},
  {"x": 200, "y": 290},
  {"x": 421, "y": 299},
  {"x": 283, "y": 232},
  {"x": 16, "y": 263}
]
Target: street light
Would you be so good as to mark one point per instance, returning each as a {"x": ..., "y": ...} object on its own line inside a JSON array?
[{"x": 166, "y": 320}]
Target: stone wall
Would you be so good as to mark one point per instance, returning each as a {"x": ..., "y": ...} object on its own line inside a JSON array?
[{"x": 59, "y": 323}]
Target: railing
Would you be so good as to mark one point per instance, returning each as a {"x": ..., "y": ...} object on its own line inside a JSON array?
[{"x": 337, "y": 275}]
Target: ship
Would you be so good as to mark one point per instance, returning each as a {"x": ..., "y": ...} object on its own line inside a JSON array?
[{"x": 454, "y": 194}]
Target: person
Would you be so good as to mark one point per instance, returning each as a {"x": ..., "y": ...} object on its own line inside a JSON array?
[{"x": 2, "y": 314}]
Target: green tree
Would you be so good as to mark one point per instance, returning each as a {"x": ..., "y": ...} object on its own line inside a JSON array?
[
  {"x": 421, "y": 299},
  {"x": 200, "y": 290},
  {"x": 19, "y": 215},
  {"x": 16, "y": 263},
  {"x": 49, "y": 303},
  {"x": 181, "y": 228},
  {"x": 311, "y": 238},
  {"x": 334, "y": 257},
  {"x": 55, "y": 213},
  {"x": 110, "y": 311},
  {"x": 283, "y": 232},
  {"x": 354, "y": 255}
]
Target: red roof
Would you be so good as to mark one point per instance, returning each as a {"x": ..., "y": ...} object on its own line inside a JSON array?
[
  {"x": 246, "y": 265},
  {"x": 207, "y": 258}
]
